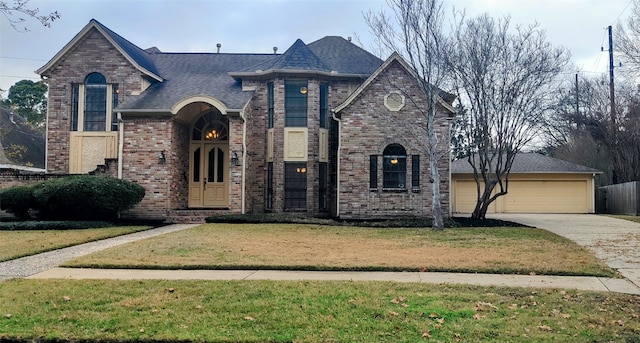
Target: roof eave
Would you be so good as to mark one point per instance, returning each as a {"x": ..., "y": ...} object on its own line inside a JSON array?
[
  {"x": 93, "y": 24},
  {"x": 263, "y": 73}
]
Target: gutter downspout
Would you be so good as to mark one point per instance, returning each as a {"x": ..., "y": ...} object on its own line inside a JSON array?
[
  {"x": 333, "y": 114},
  {"x": 120, "y": 144},
  {"x": 244, "y": 158}
]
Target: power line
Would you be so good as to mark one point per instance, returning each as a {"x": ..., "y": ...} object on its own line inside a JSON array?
[
  {"x": 20, "y": 77},
  {"x": 621, "y": 13},
  {"x": 23, "y": 58}
]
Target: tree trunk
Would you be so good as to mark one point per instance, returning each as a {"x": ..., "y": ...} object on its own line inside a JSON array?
[
  {"x": 480, "y": 211},
  {"x": 436, "y": 206}
]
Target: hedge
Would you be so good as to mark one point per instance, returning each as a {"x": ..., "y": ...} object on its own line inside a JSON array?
[{"x": 81, "y": 197}]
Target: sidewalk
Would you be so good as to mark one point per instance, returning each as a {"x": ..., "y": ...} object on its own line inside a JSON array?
[{"x": 584, "y": 283}]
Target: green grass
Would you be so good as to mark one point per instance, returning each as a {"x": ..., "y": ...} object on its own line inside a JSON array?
[
  {"x": 268, "y": 311},
  {"x": 323, "y": 247},
  {"x": 19, "y": 243}
]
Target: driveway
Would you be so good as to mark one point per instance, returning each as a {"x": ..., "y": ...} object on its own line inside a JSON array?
[{"x": 615, "y": 241}]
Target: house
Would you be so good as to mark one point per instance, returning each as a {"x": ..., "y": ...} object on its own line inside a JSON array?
[
  {"x": 537, "y": 184},
  {"x": 324, "y": 129}
]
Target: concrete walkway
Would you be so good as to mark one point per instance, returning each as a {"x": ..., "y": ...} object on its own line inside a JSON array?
[
  {"x": 614, "y": 241},
  {"x": 45, "y": 266},
  {"x": 583, "y": 283},
  {"x": 29, "y": 265}
]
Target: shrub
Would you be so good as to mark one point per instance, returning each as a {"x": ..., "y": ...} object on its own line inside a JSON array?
[
  {"x": 17, "y": 200},
  {"x": 53, "y": 225},
  {"x": 86, "y": 197}
]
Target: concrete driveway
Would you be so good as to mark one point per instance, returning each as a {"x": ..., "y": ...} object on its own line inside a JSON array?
[{"x": 615, "y": 241}]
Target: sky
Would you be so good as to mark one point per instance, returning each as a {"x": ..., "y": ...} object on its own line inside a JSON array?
[{"x": 258, "y": 25}]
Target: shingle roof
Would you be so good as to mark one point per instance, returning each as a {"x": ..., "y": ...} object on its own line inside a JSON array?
[
  {"x": 297, "y": 57},
  {"x": 344, "y": 57},
  {"x": 530, "y": 163},
  {"x": 140, "y": 56},
  {"x": 193, "y": 74}
]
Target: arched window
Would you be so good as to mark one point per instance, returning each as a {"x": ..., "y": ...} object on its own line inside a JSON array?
[
  {"x": 93, "y": 103},
  {"x": 212, "y": 126},
  {"x": 394, "y": 167}
]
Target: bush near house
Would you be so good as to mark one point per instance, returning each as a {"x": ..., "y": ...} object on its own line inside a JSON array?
[
  {"x": 81, "y": 197},
  {"x": 18, "y": 200}
]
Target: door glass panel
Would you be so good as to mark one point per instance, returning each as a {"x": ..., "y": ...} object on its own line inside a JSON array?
[
  {"x": 196, "y": 165},
  {"x": 211, "y": 168},
  {"x": 220, "y": 165}
]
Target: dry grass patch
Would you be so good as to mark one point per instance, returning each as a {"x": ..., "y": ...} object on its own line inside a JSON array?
[
  {"x": 315, "y": 247},
  {"x": 53, "y": 311},
  {"x": 19, "y": 243}
]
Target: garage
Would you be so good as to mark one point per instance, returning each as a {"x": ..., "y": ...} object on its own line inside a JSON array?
[{"x": 537, "y": 184}]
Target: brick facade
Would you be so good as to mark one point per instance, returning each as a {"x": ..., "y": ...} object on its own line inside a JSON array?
[
  {"x": 367, "y": 127},
  {"x": 93, "y": 53}
]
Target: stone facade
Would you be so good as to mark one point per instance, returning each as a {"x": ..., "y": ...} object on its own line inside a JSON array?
[{"x": 366, "y": 127}]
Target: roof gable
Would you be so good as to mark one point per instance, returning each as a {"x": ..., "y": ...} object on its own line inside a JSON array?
[
  {"x": 394, "y": 58},
  {"x": 531, "y": 163},
  {"x": 344, "y": 57},
  {"x": 299, "y": 57},
  {"x": 135, "y": 55}
]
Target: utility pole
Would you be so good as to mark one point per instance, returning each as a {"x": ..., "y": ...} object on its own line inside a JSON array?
[
  {"x": 611, "y": 87},
  {"x": 577, "y": 97}
]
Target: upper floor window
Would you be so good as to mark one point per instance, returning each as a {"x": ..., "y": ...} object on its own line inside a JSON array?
[
  {"x": 92, "y": 104},
  {"x": 394, "y": 167},
  {"x": 324, "y": 105},
  {"x": 270, "y": 104},
  {"x": 295, "y": 103}
]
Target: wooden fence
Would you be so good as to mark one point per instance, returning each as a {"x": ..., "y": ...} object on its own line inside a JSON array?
[{"x": 622, "y": 198}]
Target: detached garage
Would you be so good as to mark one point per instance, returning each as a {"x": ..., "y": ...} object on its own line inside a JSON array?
[{"x": 537, "y": 184}]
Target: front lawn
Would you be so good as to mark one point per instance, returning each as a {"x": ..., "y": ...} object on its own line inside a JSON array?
[
  {"x": 304, "y": 311},
  {"x": 318, "y": 247},
  {"x": 19, "y": 243}
]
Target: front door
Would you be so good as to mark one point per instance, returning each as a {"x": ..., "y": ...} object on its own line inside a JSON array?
[{"x": 209, "y": 163}]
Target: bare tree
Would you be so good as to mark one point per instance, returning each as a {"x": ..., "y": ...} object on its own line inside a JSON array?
[
  {"x": 627, "y": 42},
  {"x": 583, "y": 131},
  {"x": 414, "y": 30},
  {"x": 17, "y": 12},
  {"x": 504, "y": 79}
]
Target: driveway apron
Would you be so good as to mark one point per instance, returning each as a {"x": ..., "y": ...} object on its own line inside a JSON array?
[{"x": 614, "y": 241}]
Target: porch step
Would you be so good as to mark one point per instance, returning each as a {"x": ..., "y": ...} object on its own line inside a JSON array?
[{"x": 191, "y": 216}]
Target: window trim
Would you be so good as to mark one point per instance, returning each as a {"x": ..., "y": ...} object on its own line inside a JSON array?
[{"x": 78, "y": 106}]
